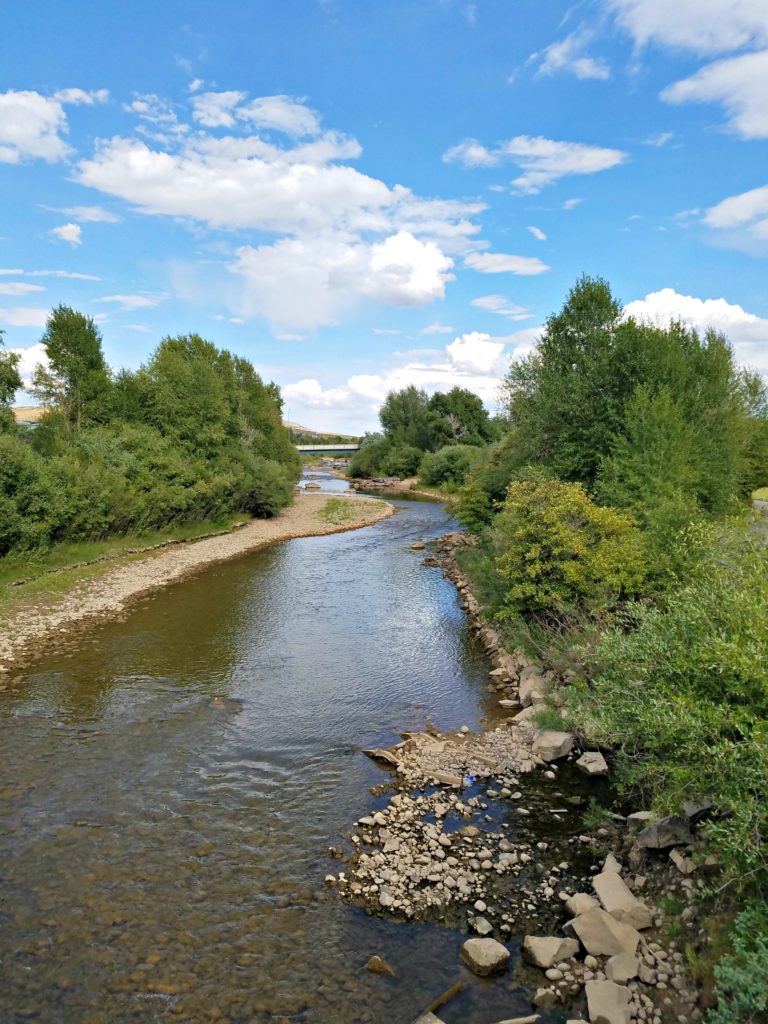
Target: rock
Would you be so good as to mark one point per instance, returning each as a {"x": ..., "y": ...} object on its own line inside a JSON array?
[
  {"x": 418, "y": 546},
  {"x": 671, "y": 831},
  {"x": 550, "y": 745},
  {"x": 620, "y": 902},
  {"x": 484, "y": 956},
  {"x": 611, "y": 864},
  {"x": 544, "y": 951},
  {"x": 592, "y": 763},
  {"x": 607, "y": 1003},
  {"x": 526, "y": 714},
  {"x": 543, "y": 998},
  {"x": 697, "y": 810},
  {"x": 532, "y": 690},
  {"x": 378, "y": 966},
  {"x": 581, "y": 903},
  {"x": 622, "y": 968},
  {"x": 521, "y": 1020},
  {"x": 482, "y": 926},
  {"x": 683, "y": 864},
  {"x": 639, "y": 819},
  {"x": 446, "y": 779},
  {"x": 603, "y": 935}
]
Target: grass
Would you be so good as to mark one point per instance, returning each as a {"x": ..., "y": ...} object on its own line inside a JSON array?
[
  {"x": 342, "y": 511},
  {"x": 761, "y": 494},
  {"x": 49, "y": 573}
]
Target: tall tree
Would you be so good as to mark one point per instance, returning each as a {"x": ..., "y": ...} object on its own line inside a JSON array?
[
  {"x": 76, "y": 381},
  {"x": 459, "y": 417},
  {"x": 10, "y": 382}
]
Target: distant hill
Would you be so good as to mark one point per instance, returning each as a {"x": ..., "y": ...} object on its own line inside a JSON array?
[
  {"x": 297, "y": 428},
  {"x": 27, "y": 413}
]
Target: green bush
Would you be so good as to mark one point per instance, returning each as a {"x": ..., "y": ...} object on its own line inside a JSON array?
[
  {"x": 558, "y": 552},
  {"x": 742, "y": 975},
  {"x": 448, "y": 465}
]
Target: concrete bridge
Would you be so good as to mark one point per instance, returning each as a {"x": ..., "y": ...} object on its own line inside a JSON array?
[{"x": 328, "y": 449}]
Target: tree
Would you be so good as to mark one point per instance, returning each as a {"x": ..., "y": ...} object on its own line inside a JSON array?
[
  {"x": 405, "y": 418},
  {"x": 76, "y": 381},
  {"x": 459, "y": 417},
  {"x": 10, "y": 382}
]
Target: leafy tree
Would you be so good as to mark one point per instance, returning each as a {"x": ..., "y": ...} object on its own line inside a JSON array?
[
  {"x": 76, "y": 380},
  {"x": 449, "y": 465},
  {"x": 459, "y": 417},
  {"x": 405, "y": 417},
  {"x": 10, "y": 382}
]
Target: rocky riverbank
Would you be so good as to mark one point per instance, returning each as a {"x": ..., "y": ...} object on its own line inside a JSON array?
[
  {"x": 31, "y": 625},
  {"x": 485, "y": 831}
]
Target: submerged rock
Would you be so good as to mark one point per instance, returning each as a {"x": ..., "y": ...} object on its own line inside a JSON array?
[{"x": 377, "y": 965}]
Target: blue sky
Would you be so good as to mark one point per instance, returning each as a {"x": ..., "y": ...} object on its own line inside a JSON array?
[{"x": 363, "y": 194}]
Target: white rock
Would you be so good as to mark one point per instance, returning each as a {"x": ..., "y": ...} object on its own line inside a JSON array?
[
  {"x": 544, "y": 951},
  {"x": 607, "y": 1003},
  {"x": 550, "y": 744},
  {"x": 620, "y": 902},
  {"x": 485, "y": 956},
  {"x": 592, "y": 763}
]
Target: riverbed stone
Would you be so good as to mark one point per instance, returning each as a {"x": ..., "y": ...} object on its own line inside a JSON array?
[
  {"x": 592, "y": 763},
  {"x": 377, "y": 965},
  {"x": 485, "y": 956},
  {"x": 670, "y": 831},
  {"x": 532, "y": 690},
  {"x": 620, "y": 903},
  {"x": 603, "y": 935},
  {"x": 581, "y": 903},
  {"x": 607, "y": 1003},
  {"x": 544, "y": 951},
  {"x": 551, "y": 744},
  {"x": 622, "y": 968}
]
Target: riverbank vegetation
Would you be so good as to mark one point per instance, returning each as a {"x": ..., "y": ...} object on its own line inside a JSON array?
[
  {"x": 193, "y": 435},
  {"x": 614, "y": 539}
]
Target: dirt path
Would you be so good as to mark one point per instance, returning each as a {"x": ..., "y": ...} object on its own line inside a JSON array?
[{"x": 24, "y": 631}]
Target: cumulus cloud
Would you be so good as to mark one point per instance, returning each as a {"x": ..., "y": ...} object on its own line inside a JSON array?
[
  {"x": 502, "y": 306},
  {"x": 743, "y": 213},
  {"x": 505, "y": 263},
  {"x": 475, "y": 352},
  {"x": 68, "y": 233},
  {"x": 568, "y": 56},
  {"x": 740, "y": 84},
  {"x": 542, "y": 161},
  {"x": 30, "y": 357},
  {"x": 215, "y": 109},
  {"x": 31, "y": 127},
  {"x": 747, "y": 332},
  {"x": 702, "y": 26}
]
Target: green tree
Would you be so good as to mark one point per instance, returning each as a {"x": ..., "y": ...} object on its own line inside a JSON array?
[
  {"x": 405, "y": 417},
  {"x": 76, "y": 381},
  {"x": 459, "y": 417},
  {"x": 10, "y": 382}
]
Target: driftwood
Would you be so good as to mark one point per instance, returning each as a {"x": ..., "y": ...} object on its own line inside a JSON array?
[{"x": 445, "y": 997}]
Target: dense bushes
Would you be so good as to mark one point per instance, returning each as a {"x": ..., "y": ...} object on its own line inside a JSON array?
[
  {"x": 449, "y": 465},
  {"x": 193, "y": 434},
  {"x": 558, "y": 552}
]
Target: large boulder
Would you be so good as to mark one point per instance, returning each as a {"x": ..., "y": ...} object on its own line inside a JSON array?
[
  {"x": 592, "y": 763},
  {"x": 551, "y": 745},
  {"x": 620, "y": 902},
  {"x": 607, "y": 1003},
  {"x": 671, "y": 831},
  {"x": 622, "y": 968},
  {"x": 485, "y": 956},
  {"x": 581, "y": 903},
  {"x": 545, "y": 951},
  {"x": 532, "y": 690},
  {"x": 602, "y": 935}
]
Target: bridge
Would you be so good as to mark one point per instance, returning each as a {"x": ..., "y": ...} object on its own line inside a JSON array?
[{"x": 328, "y": 449}]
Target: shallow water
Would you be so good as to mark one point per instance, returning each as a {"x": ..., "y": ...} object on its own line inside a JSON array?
[{"x": 172, "y": 783}]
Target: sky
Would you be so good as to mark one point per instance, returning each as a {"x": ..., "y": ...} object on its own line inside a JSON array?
[{"x": 358, "y": 195}]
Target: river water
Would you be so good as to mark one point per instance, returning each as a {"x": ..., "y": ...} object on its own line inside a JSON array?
[{"x": 172, "y": 783}]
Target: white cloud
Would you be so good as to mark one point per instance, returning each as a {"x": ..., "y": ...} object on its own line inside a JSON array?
[
  {"x": 49, "y": 273},
  {"x": 19, "y": 288},
  {"x": 568, "y": 56},
  {"x": 746, "y": 212},
  {"x": 571, "y": 204},
  {"x": 703, "y": 26},
  {"x": 747, "y": 332},
  {"x": 505, "y": 263},
  {"x": 309, "y": 281},
  {"x": 30, "y": 357},
  {"x": 196, "y": 84},
  {"x": 25, "y": 316},
  {"x": 436, "y": 328},
  {"x": 537, "y": 233},
  {"x": 740, "y": 84},
  {"x": 659, "y": 139},
  {"x": 132, "y": 301},
  {"x": 215, "y": 109},
  {"x": 543, "y": 161},
  {"x": 85, "y": 97},
  {"x": 289, "y": 337},
  {"x": 68, "y": 233},
  {"x": 283, "y": 114},
  {"x": 474, "y": 361},
  {"x": 91, "y": 214},
  {"x": 153, "y": 109},
  {"x": 502, "y": 306},
  {"x": 31, "y": 126}
]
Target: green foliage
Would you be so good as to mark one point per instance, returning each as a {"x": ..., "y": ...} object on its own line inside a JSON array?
[
  {"x": 459, "y": 417},
  {"x": 10, "y": 382},
  {"x": 742, "y": 974},
  {"x": 473, "y": 506},
  {"x": 76, "y": 381},
  {"x": 681, "y": 688},
  {"x": 448, "y": 465},
  {"x": 405, "y": 418},
  {"x": 556, "y": 550},
  {"x": 193, "y": 435}
]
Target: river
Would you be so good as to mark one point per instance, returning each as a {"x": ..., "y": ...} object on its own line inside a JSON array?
[{"x": 173, "y": 781}]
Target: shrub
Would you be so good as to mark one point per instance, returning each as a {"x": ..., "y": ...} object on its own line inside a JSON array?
[
  {"x": 557, "y": 551},
  {"x": 449, "y": 465},
  {"x": 742, "y": 975}
]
